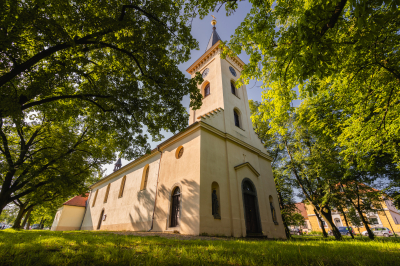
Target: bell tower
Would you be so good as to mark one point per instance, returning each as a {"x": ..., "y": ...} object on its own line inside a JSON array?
[{"x": 219, "y": 91}]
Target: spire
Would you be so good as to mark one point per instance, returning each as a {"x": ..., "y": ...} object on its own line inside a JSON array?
[
  {"x": 214, "y": 35},
  {"x": 118, "y": 165}
]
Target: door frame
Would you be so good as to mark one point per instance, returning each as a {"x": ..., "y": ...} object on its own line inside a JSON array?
[
  {"x": 246, "y": 179},
  {"x": 168, "y": 225}
]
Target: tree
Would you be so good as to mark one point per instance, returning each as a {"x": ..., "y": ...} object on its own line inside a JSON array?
[
  {"x": 346, "y": 50},
  {"x": 282, "y": 177},
  {"x": 80, "y": 79}
]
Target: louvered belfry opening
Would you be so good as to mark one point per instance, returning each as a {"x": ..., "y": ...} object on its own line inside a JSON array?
[{"x": 176, "y": 197}]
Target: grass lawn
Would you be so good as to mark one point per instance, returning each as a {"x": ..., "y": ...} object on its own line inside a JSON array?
[{"x": 105, "y": 248}]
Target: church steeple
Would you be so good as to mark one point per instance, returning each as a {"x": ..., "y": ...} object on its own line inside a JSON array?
[{"x": 214, "y": 35}]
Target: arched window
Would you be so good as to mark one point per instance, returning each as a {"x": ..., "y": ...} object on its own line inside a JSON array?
[
  {"x": 145, "y": 177},
  {"x": 233, "y": 89},
  {"x": 95, "y": 197},
  {"x": 273, "y": 211},
  {"x": 216, "y": 209},
  {"x": 107, "y": 191},
  {"x": 121, "y": 189},
  {"x": 175, "y": 207},
  {"x": 101, "y": 218},
  {"x": 207, "y": 90},
  {"x": 236, "y": 117}
]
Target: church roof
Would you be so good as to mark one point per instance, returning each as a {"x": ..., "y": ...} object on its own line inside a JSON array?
[
  {"x": 213, "y": 39},
  {"x": 77, "y": 201}
]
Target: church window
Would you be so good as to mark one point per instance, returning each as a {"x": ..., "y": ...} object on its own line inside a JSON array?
[
  {"x": 207, "y": 90},
  {"x": 273, "y": 211},
  {"x": 179, "y": 152},
  {"x": 145, "y": 177},
  {"x": 175, "y": 207},
  {"x": 121, "y": 189},
  {"x": 95, "y": 197},
  {"x": 215, "y": 203},
  {"x": 233, "y": 89},
  {"x": 236, "y": 117},
  {"x": 107, "y": 191}
]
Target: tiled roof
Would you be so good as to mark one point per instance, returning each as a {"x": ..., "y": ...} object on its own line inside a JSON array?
[
  {"x": 77, "y": 201},
  {"x": 302, "y": 210}
]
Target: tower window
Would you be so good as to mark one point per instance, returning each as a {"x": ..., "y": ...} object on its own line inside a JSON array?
[
  {"x": 236, "y": 117},
  {"x": 233, "y": 89},
  {"x": 207, "y": 90}
]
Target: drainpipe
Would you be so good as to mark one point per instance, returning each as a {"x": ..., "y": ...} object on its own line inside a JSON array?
[
  {"x": 87, "y": 202},
  {"x": 155, "y": 199}
]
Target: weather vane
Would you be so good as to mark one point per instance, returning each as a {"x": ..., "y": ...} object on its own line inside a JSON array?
[{"x": 214, "y": 21}]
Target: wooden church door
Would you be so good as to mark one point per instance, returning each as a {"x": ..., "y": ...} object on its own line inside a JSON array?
[
  {"x": 250, "y": 208},
  {"x": 175, "y": 207}
]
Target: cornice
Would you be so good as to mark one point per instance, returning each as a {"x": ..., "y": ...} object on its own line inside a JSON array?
[
  {"x": 234, "y": 139},
  {"x": 125, "y": 168},
  {"x": 189, "y": 130},
  {"x": 208, "y": 55}
]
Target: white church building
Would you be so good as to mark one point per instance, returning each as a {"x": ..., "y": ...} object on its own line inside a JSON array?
[{"x": 214, "y": 177}]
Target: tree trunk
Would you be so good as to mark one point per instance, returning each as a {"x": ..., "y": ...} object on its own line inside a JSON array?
[
  {"x": 370, "y": 234},
  {"x": 42, "y": 225},
  {"x": 28, "y": 214},
  {"x": 29, "y": 224},
  {"x": 345, "y": 220},
  {"x": 327, "y": 215},
  {"x": 321, "y": 223},
  {"x": 21, "y": 213},
  {"x": 281, "y": 206}
]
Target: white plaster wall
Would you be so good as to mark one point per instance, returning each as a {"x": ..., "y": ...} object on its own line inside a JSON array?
[{"x": 134, "y": 210}]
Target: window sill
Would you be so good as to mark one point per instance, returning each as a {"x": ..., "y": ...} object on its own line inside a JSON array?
[
  {"x": 206, "y": 96},
  {"x": 240, "y": 128},
  {"x": 236, "y": 96}
]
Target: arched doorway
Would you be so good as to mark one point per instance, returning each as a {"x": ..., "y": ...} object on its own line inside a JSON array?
[
  {"x": 100, "y": 220},
  {"x": 250, "y": 204},
  {"x": 176, "y": 198}
]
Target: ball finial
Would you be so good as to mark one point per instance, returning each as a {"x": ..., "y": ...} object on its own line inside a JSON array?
[{"x": 214, "y": 21}]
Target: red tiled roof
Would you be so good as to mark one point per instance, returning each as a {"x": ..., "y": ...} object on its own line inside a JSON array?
[
  {"x": 302, "y": 210},
  {"x": 77, "y": 201}
]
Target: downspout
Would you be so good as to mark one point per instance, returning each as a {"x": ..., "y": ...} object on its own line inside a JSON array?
[
  {"x": 84, "y": 214},
  {"x": 155, "y": 198}
]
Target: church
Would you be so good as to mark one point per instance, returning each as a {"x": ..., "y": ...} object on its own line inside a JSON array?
[{"x": 213, "y": 178}]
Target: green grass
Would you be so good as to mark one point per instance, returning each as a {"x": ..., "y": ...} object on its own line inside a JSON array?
[{"x": 104, "y": 248}]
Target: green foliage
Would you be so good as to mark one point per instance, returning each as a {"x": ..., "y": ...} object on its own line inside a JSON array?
[
  {"x": 94, "y": 248},
  {"x": 345, "y": 52},
  {"x": 79, "y": 80},
  {"x": 354, "y": 217},
  {"x": 9, "y": 214}
]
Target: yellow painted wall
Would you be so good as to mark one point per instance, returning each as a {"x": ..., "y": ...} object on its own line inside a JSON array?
[{"x": 68, "y": 218}]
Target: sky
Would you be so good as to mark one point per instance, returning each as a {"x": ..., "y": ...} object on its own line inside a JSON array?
[{"x": 201, "y": 31}]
